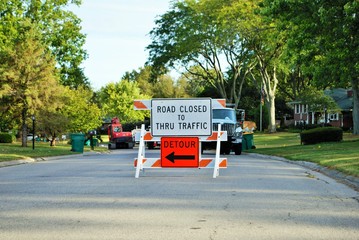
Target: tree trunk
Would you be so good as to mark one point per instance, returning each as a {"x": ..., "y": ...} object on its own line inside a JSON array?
[
  {"x": 270, "y": 83},
  {"x": 52, "y": 142},
  {"x": 271, "y": 110},
  {"x": 355, "y": 87},
  {"x": 23, "y": 128}
]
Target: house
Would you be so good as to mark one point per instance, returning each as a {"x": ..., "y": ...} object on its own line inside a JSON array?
[{"x": 343, "y": 119}]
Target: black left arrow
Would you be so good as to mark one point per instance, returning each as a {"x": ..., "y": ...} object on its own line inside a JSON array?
[{"x": 172, "y": 157}]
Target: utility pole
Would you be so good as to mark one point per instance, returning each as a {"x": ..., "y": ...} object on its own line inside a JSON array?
[
  {"x": 260, "y": 109},
  {"x": 33, "y": 131}
]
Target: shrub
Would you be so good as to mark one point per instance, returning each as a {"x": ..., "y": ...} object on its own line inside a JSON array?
[
  {"x": 6, "y": 138},
  {"x": 323, "y": 134}
]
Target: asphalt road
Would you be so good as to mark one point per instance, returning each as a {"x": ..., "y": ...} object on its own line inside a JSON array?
[{"x": 98, "y": 197}]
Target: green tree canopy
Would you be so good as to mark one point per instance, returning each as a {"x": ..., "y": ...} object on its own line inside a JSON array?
[
  {"x": 116, "y": 100},
  {"x": 80, "y": 110},
  {"x": 323, "y": 36},
  {"x": 198, "y": 33},
  {"x": 28, "y": 77},
  {"x": 59, "y": 29}
]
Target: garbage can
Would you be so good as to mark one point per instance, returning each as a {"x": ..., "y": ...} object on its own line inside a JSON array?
[
  {"x": 77, "y": 142},
  {"x": 95, "y": 142},
  {"x": 247, "y": 141}
]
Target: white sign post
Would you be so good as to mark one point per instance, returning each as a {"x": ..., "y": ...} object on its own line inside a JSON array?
[{"x": 181, "y": 117}]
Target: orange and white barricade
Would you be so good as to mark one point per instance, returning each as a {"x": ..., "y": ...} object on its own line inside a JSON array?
[{"x": 141, "y": 162}]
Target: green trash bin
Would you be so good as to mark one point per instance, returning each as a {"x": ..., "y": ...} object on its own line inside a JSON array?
[
  {"x": 77, "y": 142},
  {"x": 247, "y": 141},
  {"x": 95, "y": 142}
]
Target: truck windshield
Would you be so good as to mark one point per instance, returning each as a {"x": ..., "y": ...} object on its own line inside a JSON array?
[
  {"x": 117, "y": 129},
  {"x": 224, "y": 114}
]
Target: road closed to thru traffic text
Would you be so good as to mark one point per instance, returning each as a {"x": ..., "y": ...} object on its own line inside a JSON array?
[{"x": 181, "y": 117}]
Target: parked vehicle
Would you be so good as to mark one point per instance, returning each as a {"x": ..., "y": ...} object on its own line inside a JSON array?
[
  {"x": 29, "y": 137},
  {"x": 230, "y": 120},
  {"x": 136, "y": 133},
  {"x": 117, "y": 137}
]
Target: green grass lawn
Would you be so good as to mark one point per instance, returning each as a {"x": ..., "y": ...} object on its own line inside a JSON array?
[
  {"x": 14, "y": 151},
  {"x": 342, "y": 156}
]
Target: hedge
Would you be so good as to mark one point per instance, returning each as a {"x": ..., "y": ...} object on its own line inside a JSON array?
[
  {"x": 6, "y": 138},
  {"x": 322, "y": 134}
]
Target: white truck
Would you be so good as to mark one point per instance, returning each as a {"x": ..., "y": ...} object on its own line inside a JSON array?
[{"x": 230, "y": 120}]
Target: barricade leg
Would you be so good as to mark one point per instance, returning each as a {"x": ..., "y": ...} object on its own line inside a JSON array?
[
  {"x": 141, "y": 152},
  {"x": 218, "y": 149}
]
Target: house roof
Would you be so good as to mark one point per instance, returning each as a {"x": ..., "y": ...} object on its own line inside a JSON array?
[{"x": 341, "y": 97}]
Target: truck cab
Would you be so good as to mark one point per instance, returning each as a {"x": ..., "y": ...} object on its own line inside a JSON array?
[
  {"x": 230, "y": 120},
  {"x": 117, "y": 137}
]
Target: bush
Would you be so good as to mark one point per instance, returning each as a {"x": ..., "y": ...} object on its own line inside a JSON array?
[
  {"x": 323, "y": 134},
  {"x": 6, "y": 138}
]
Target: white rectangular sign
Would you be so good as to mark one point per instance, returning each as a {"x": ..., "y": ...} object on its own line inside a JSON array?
[{"x": 181, "y": 117}]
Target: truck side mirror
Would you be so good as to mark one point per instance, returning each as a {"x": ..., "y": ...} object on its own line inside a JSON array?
[{"x": 241, "y": 114}]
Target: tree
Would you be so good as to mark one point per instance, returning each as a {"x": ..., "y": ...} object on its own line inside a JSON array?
[
  {"x": 80, "y": 110},
  {"x": 28, "y": 77},
  {"x": 116, "y": 99},
  {"x": 143, "y": 79},
  {"x": 164, "y": 87},
  {"x": 223, "y": 42},
  {"x": 324, "y": 35},
  {"x": 52, "y": 123},
  {"x": 182, "y": 89},
  {"x": 198, "y": 33},
  {"x": 59, "y": 28}
]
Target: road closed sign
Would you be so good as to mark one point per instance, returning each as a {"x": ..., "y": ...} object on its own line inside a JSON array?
[
  {"x": 181, "y": 117},
  {"x": 180, "y": 152}
]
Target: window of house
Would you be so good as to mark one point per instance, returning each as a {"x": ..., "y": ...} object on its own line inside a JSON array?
[
  {"x": 333, "y": 116},
  {"x": 305, "y": 108},
  {"x": 301, "y": 108}
]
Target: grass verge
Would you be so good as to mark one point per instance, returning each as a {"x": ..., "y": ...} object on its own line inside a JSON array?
[
  {"x": 342, "y": 156},
  {"x": 14, "y": 151}
]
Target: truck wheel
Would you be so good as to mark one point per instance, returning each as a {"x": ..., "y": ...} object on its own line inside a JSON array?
[
  {"x": 130, "y": 145},
  {"x": 226, "y": 148},
  {"x": 238, "y": 149},
  {"x": 151, "y": 145}
]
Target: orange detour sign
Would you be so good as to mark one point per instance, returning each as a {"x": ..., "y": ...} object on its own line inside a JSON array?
[{"x": 180, "y": 152}]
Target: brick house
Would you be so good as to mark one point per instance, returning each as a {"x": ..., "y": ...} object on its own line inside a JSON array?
[{"x": 344, "y": 118}]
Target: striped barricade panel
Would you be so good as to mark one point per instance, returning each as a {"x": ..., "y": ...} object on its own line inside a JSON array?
[
  {"x": 149, "y": 138},
  {"x": 142, "y": 104},
  {"x": 149, "y": 163},
  {"x": 145, "y": 104},
  {"x": 203, "y": 163},
  {"x": 213, "y": 137},
  {"x": 209, "y": 163}
]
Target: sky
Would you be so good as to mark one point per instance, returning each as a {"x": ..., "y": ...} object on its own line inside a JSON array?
[{"x": 117, "y": 35}]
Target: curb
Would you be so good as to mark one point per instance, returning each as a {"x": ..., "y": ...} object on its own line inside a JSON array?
[{"x": 348, "y": 180}]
